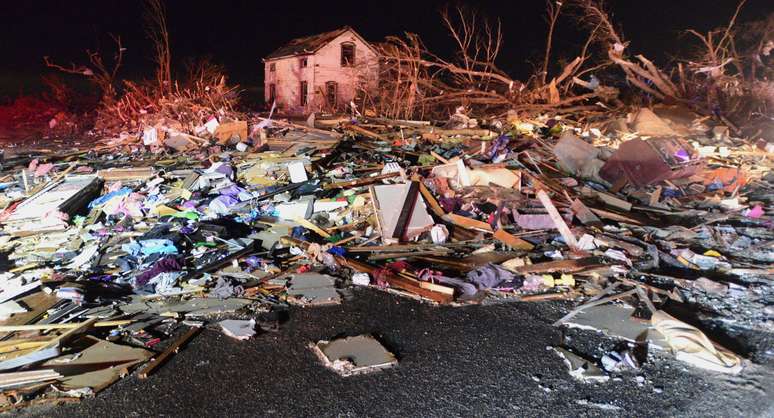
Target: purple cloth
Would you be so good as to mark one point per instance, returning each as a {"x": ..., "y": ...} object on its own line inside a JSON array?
[
  {"x": 450, "y": 204},
  {"x": 490, "y": 276},
  {"x": 232, "y": 191},
  {"x": 498, "y": 145},
  {"x": 165, "y": 265},
  {"x": 226, "y": 170},
  {"x": 432, "y": 276},
  {"x": 190, "y": 204}
]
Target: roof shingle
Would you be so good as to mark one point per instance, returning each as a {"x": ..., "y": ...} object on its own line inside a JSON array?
[{"x": 306, "y": 45}]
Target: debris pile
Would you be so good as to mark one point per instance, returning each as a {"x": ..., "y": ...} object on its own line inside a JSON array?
[{"x": 120, "y": 259}]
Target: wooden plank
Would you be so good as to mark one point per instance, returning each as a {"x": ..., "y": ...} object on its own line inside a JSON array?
[
  {"x": 655, "y": 196},
  {"x": 406, "y": 211},
  {"x": 309, "y": 225},
  {"x": 410, "y": 254},
  {"x": 430, "y": 200},
  {"x": 468, "y": 223},
  {"x": 365, "y": 132},
  {"x": 399, "y": 282},
  {"x": 569, "y": 238},
  {"x": 39, "y": 303},
  {"x": 360, "y": 182},
  {"x": 547, "y": 296},
  {"x": 172, "y": 349},
  {"x": 512, "y": 240},
  {"x": 564, "y": 266},
  {"x": 72, "y": 325},
  {"x": 614, "y": 201},
  {"x": 136, "y": 173},
  {"x": 606, "y": 214},
  {"x": 428, "y": 285},
  {"x": 584, "y": 214}
]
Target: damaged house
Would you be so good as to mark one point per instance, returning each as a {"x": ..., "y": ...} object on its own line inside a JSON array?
[{"x": 320, "y": 72}]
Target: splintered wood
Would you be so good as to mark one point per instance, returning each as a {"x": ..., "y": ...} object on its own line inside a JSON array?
[{"x": 569, "y": 238}]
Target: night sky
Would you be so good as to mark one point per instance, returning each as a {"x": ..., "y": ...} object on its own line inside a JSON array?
[{"x": 238, "y": 33}]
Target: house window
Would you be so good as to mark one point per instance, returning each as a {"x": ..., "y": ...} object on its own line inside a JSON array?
[
  {"x": 304, "y": 92},
  {"x": 272, "y": 67},
  {"x": 272, "y": 93},
  {"x": 347, "y": 54},
  {"x": 303, "y": 62},
  {"x": 330, "y": 93}
]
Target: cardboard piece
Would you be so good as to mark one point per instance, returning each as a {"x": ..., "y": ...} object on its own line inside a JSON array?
[
  {"x": 179, "y": 142},
  {"x": 227, "y": 131}
]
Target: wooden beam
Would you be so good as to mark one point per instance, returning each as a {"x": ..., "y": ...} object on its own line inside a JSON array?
[
  {"x": 512, "y": 240},
  {"x": 468, "y": 223},
  {"x": 413, "y": 286},
  {"x": 430, "y": 199},
  {"x": 569, "y": 238},
  {"x": 564, "y": 266},
  {"x": 39, "y": 327},
  {"x": 359, "y": 182},
  {"x": 172, "y": 349}
]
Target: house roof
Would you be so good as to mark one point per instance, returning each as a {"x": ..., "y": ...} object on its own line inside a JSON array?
[{"x": 310, "y": 44}]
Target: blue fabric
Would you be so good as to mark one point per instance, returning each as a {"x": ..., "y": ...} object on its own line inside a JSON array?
[{"x": 124, "y": 191}]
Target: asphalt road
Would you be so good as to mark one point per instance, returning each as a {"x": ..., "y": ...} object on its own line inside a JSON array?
[{"x": 465, "y": 361}]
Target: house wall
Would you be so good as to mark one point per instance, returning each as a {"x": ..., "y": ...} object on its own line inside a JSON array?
[
  {"x": 322, "y": 67},
  {"x": 287, "y": 77}
]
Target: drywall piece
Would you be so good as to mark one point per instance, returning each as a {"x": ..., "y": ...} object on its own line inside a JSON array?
[
  {"x": 272, "y": 235},
  {"x": 97, "y": 364},
  {"x": 313, "y": 289},
  {"x": 10, "y": 289},
  {"x": 616, "y": 320},
  {"x": 389, "y": 202},
  {"x": 354, "y": 355},
  {"x": 239, "y": 329},
  {"x": 297, "y": 172},
  {"x": 647, "y": 123},
  {"x": 580, "y": 368},
  {"x": 301, "y": 208},
  {"x": 228, "y": 131},
  {"x": 646, "y": 162},
  {"x": 191, "y": 307}
]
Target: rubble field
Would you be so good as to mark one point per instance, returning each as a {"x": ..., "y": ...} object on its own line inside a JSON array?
[{"x": 639, "y": 243}]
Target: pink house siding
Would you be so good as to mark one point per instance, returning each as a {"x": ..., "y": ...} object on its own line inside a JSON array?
[{"x": 324, "y": 65}]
